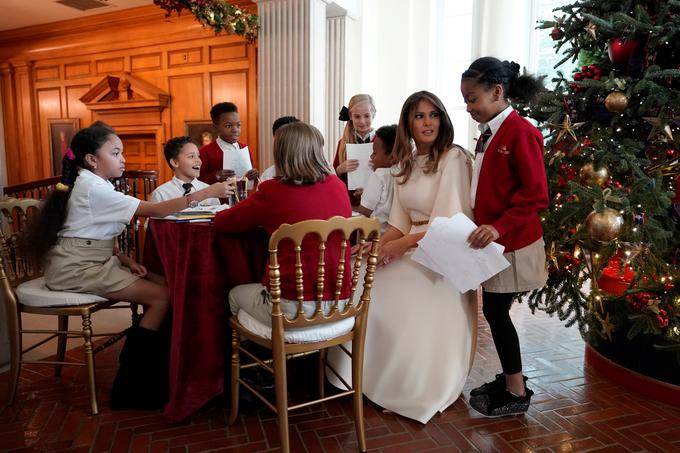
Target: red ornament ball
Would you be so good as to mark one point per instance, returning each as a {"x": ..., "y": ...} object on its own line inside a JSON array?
[{"x": 620, "y": 50}]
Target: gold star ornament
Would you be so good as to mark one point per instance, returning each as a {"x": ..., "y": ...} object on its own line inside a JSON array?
[
  {"x": 567, "y": 127},
  {"x": 591, "y": 29},
  {"x": 607, "y": 326},
  {"x": 660, "y": 126}
]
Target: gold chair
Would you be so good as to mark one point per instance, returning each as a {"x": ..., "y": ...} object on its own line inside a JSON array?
[
  {"x": 335, "y": 328},
  {"x": 22, "y": 290}
]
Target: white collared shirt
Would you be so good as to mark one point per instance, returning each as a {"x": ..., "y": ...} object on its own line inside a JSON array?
[
  {"x": 494, "y": 124},
  {"x": 378, "y": 193},
  {"x": 95, "y": 210},
  {"x": 173, "y": 189}
]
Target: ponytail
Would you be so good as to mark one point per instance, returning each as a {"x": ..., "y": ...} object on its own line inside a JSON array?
[
  {"x": 491, "y": 71},
  {"x": 44, "y": 227}
]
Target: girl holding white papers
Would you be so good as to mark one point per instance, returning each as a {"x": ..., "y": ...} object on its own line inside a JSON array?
[
  {"x": 509, "y": 190},
  {"x": 421, "y": 329},
  {"x": 359, "y": 116}
]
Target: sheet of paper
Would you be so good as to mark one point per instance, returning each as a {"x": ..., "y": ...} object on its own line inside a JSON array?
[
  {"x": 239, "y": 161},
  {"x": 445, "y": 250},
  {"x": 361, "y": 152}
]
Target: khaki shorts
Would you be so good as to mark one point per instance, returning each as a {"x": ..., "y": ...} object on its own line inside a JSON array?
[
  {"x": 85, "y": 266},
  {"x": 527, "y": 271}
]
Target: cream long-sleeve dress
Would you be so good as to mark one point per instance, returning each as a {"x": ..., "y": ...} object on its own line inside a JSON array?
[{"x": 421, "y": 330}]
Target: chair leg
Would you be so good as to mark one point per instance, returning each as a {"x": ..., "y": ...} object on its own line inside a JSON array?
[
  {"x": 136, "y": 317},
  {"x": 281, "y": 388},
  {"x": 89, "y": 362},
  {"x": 62, "y": 339},
  {"x": 15, "y": 348},
  {"x": 235, "y": 374},
  {"x": 323, "y": 354},
  {"x": 358, "y": 385}
]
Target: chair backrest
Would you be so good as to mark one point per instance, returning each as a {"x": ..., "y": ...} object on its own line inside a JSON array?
[
  {"x": 16, "y": 264},
  {"x": 363, "y": 228}
]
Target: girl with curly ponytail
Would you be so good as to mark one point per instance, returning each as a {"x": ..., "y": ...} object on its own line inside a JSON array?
[
  {"x": 74, "y": 235},
  {"x": 509, "y": 190}
]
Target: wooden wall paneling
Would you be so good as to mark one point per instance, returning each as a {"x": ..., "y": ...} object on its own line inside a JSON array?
[
  {"x": 74, "y": 107},
  {"x": 110, "y": 65},
  {"x": 47, "y": 73},
  {"x": 77, "y": 70},
  {"x": 184, "y": 57},
  {"x": 252, "y": 102},
  {"x": 187, "y": 102},
  {"x": 9, "y": 110},
  {"x": 33, "y": 165},
  {"x": 227, "y": 52},
  {"x": 177, "y": 55},
  {"x": 146, "y": 62},
  {"x": 232, "y": 86},
  {"x": 49, "y": 106}
]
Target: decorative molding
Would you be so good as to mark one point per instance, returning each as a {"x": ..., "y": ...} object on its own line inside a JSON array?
[{"x": 124, "y": 91}]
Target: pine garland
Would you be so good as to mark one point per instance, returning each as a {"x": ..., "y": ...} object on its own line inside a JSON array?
[{"x": 217, "y": 14}]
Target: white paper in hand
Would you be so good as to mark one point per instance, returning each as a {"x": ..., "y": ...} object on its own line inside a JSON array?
[
  {"x": 361, "y": 152},
  {"x": 445, "y": 250},
  {"x": 239, "y": 161}
]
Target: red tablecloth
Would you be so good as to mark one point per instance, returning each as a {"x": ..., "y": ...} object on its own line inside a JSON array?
[{"x": 200, "y": 266}]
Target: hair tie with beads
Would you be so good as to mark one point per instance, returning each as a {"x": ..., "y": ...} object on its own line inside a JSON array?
[{"x": 61, "y": 187}]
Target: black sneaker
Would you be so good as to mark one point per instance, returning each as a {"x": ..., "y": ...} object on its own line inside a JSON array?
[
  {"x": 496, "y": 385},
  {"x": 500, "y": 404}
]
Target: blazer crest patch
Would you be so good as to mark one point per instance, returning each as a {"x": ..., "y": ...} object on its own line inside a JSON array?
[{"x": 503, "y": 149}]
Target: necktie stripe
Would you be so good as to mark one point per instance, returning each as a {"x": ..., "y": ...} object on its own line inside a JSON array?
[{"x": 481, "y": 141}]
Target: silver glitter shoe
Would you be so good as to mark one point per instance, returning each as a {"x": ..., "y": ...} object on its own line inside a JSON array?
[{"x": 501, "y": 403}]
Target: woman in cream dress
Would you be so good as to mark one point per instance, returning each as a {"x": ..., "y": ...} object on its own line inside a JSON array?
[{"x": 421, "y": 330}]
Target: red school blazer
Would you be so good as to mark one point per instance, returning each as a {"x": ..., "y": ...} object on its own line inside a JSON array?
[
  {"x": 212, "y": 158},
  {"x": 513, "y": 188}
]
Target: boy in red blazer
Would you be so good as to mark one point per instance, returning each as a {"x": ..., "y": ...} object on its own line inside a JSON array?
[
  {"x": 227, "y": 123},
  {"x": 509, "y": 190}
]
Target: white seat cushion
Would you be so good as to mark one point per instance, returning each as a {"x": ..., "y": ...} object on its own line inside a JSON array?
[
  {"x": 34, "y": 293},
  {"x": 309, "y": 334}
]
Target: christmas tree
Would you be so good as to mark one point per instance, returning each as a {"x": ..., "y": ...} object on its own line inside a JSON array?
[{"x": 612, "y": 160}]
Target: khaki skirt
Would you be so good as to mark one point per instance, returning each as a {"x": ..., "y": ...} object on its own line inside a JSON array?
[
  {"x": 85, "y": 266},
  {"x": 527, "y": 271}
]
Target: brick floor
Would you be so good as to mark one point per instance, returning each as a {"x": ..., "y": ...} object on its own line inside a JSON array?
[{"x": 573, "y": 409}]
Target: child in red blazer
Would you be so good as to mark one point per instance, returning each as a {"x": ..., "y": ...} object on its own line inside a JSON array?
[
  {"x": 509, "y": 190},
  {"x": 227, "y": 123}
]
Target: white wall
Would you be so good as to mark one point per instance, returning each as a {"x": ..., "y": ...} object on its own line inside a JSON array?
[
  {"x": 411, "y": 45},
  {"x": 405, "y": 46}
]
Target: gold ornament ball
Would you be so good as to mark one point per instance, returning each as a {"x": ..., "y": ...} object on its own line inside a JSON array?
[
  {"x": 604, "y": 226},
  {"x": 616, "y": 102},
  {"x": 588, "y": 173}
]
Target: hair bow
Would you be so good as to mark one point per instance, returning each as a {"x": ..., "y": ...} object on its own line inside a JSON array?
[
  {"x": 70, "y": 155},
  {"x": 344, "y": 114}
]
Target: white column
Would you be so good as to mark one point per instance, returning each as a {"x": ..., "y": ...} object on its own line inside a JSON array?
[
  {"x": 291, "y": 66},
  {"x": 506, "y": 29},
  {"x": 336, "y": 78}
]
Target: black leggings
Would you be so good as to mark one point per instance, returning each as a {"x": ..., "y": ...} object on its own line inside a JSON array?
[{"x": 496, "y": 308}]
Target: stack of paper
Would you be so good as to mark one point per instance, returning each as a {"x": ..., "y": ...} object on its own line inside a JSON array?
[
  {"x": 445, "y": 250},
  {"x": 205, "y": 213}
]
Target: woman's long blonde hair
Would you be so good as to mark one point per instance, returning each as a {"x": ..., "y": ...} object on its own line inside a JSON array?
[
  {"x": 349, "y": 134},
  {"x": 403, "y": 145}
]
